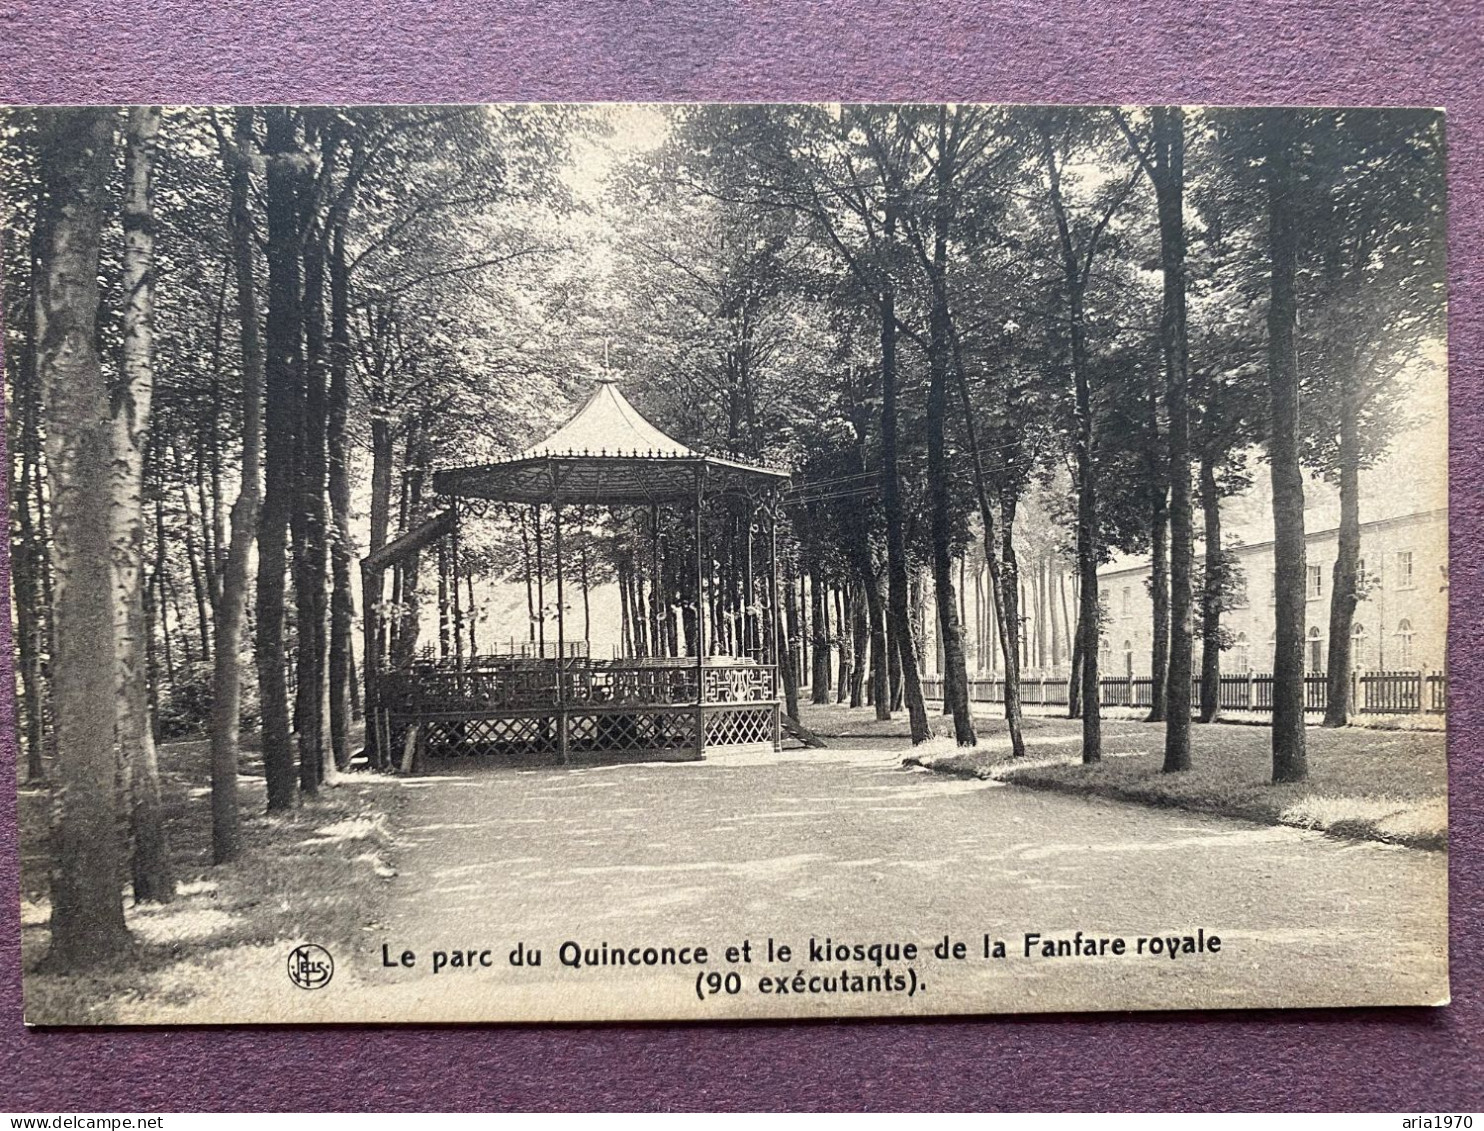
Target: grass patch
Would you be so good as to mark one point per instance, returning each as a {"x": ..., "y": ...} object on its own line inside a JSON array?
[
  {"x": 317, "y": 874},
  {"x": 1387, "y": 780},
  {"x": 1365, "y": 784}
]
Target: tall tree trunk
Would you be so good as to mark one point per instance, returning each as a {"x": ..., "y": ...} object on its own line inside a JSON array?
[
  {"x": 655, "y": 601},
  {"x": 1043, "y": 615},
  {"x": 624, "y": 571},
  {"x": 690, "y": 601},
  {"x": 1027, "y": 627},
  {"x": 393, "y": 618},
  {"x": 1053, "y": 628},
  {"x": 383, "y": 457},
  {"x": 819, "y": 607},
  {"x": 226, "y": 701},
  {"x": 209, "y": 477},
  {"x": 1002, "y": 564},
  {"x": 373, "y": 585},
  {"x": 1006, "y": 588},
  {"x": 541, "y": 581},
  {"x": 27, "y": 598},
  {"x": 210, "y": 557},
  {"x": 1290, "y": 763},
  {"x": 409, "y": 605},
  {"x": 1087, "y": 547},
  {"x": 283, "y": 400},
  {"x": 160, "y": 580},
  {"x": 473, "y": 622},
  {"x": 342, "y": 549},
  {"x": 992, "y": 616},
  {"x": 896, "y": 544},
  {"x": 860, "y": 637},
  {"x": 1159, "y": 594},
  {"x": 44, "y": 566},
  {"x": 808, "y": 622},
  {"x": 1212, "y": 593},
  {"x": 153, "y": 872},
  {"x": 310, "y": 522},
  {"x": 1084, "y": 450},
  {"x": 950, "y": 631},
  {"x": 1074, "y": 675},
  {"x": 196, "y": 557},
  {"x": 981, "y": 642},
  {"x": 894, "y": 668},
  {"x": 28, "y": 561},
  {"x": 844, "y": 642},
  {"x": 790, "y": 659},
  {"x": 625, "y": 616},
  {"x": 1169, "y": 150},
  {"x": 87, "y": 919},
  {"x": 880, "y": 662},
  {"x": 642, "y": 623},
  {"x": 1066, "y": 615},
  {"x": 952, "y": 664},
  {"x": 962, "y": 589},
  {"x": 1344, "y": 595}
]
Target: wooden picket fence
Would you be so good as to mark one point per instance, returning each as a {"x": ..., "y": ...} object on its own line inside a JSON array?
[{"x": 1371, "y": 693}]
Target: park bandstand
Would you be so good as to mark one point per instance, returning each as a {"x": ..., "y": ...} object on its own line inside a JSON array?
[{"x": 554, "y": 703}]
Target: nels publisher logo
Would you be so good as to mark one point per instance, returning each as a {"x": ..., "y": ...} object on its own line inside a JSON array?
[{"x": 310, "y": 967}]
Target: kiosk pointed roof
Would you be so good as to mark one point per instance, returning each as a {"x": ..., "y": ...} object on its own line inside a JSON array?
[
  {"x": 607, "y": 453},
  {"x": 607, "y": 424}
]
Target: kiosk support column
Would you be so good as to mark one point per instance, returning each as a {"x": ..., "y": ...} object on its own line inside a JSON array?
[
  {"x": 561, "y": 657},
  {"x": 700, "y": 620}
]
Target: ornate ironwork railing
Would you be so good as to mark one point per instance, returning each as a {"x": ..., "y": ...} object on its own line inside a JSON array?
[
  {"x": 488, "y": 685},
  {"x": 1371, "y": 693},
  {"x": 576, "y": 707}
]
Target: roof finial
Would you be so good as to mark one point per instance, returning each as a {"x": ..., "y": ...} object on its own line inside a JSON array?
[{"x": 607, "y": 376}]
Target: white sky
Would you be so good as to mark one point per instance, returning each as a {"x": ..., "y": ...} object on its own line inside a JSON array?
[
  {"x": 636, "y": 128},
  {"x": 632, "y": 129}
]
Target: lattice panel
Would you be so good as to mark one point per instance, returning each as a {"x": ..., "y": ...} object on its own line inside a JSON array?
[
  {"x": 500, "y": 737},
  {"x": 625, "y": 732},
  {"x": 740, "y": 728},
  {"x": 620, "y": 732}
]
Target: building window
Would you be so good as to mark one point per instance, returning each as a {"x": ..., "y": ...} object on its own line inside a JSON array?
[
  {"x": 1105, "y": 654},
  {"x": 1315, "y": 651},
  {"x": 1360, "y": 578},
  {"x": 1241, "y": 654},
  {"x": 1126, "y": 608},
  {"x": 1357, "y": 648},
  {"x": 1315, "y": 587},
  {"x": 1404, "y": 569},
  {"x": 1128, "y": 659},
  {"x": 1404, "y": 636}
]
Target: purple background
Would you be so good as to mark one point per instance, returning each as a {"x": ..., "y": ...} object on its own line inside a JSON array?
[{"x": 1326, "y": 52}]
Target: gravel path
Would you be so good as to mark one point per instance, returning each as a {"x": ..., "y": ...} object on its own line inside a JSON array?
[{"x": 850, "y": 845}]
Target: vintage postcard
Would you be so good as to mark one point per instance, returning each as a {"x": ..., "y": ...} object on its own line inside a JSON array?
[{"x": 603, "y": 562}]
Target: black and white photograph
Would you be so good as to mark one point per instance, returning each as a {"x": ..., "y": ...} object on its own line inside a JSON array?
[{"x": 703, "y": 561}]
